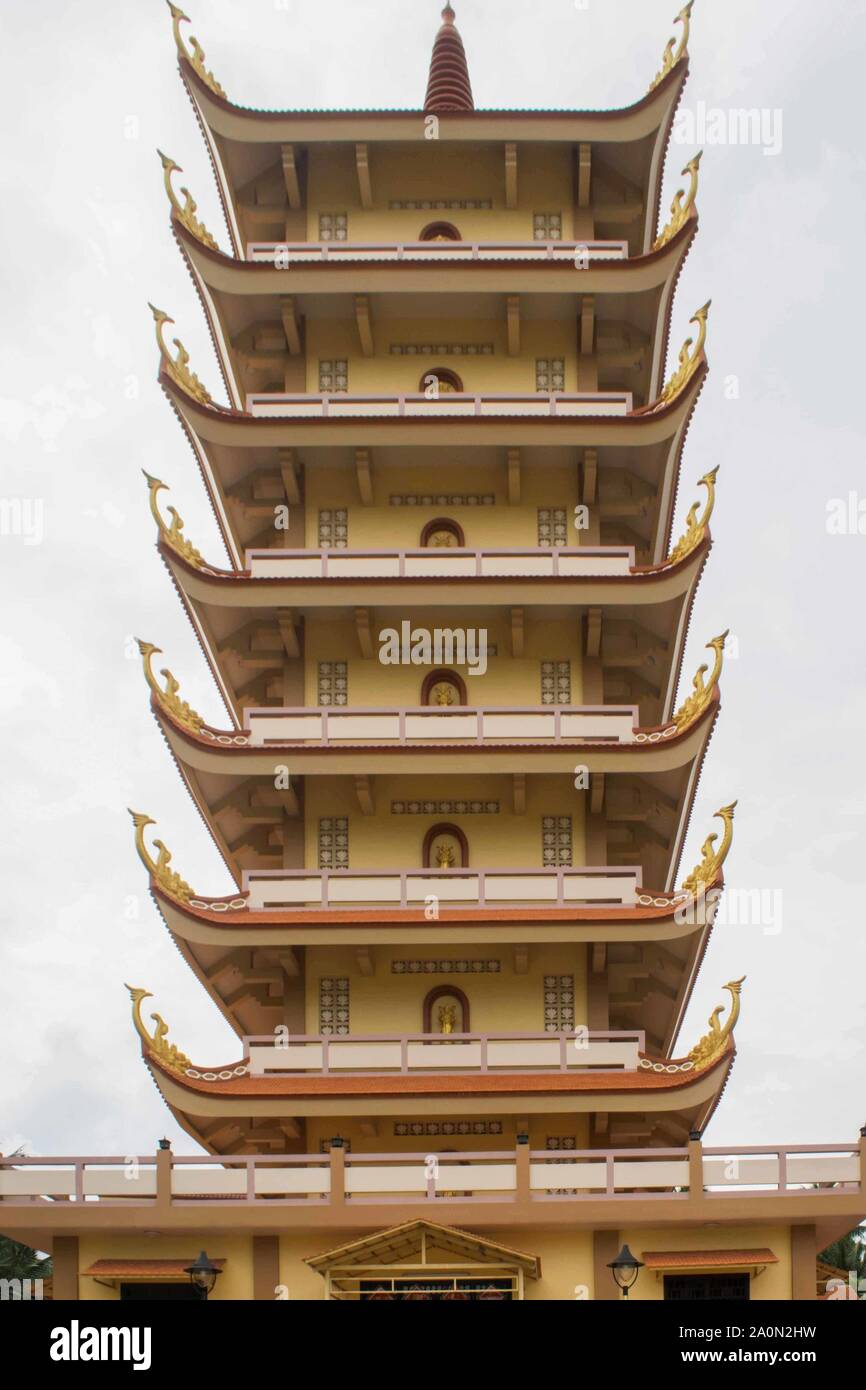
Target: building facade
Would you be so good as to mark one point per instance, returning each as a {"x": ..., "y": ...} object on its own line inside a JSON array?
[{"x": 455, "y": 775}]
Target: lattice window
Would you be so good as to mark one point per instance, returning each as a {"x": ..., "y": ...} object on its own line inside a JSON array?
[
  {"x": 559, "y": 1003},
  {"x": 552, "y": 527},
  {"x": 469, "y": 499},
  {"x": 442, "y": 349},
  {"x": 333, "y": 226},
  {"x": 334, "y": 529},
  {"x": 439, "y": 204},
  {"x": 333, "y": 686},
  {"x": 333, "y": 374},
  {"x": 550, "y": 374},
  {"x": 446, "y": 967},
  {"x": 417, "y": 1128},
  {"x": 445, "y": 808},
  {"x": 334, "y": 842},
  {"x": 333, "y": 1005},
  {"x": 556, "y": 682},
  {"x": 556, "y": 841},
  {"x": 560, "y": 1142},
  {"x": 547, "y": 226}
]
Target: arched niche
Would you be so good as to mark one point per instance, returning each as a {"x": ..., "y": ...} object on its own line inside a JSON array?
[
  {"x": 443, "y": 688},
  {"x": 450, "y": 836},
  {"x": 445, "y": 997},
  {"x": 443, "y": 531}
]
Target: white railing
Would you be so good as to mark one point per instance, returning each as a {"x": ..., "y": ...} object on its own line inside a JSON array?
[
  {"x": 451, "y": 724},
  {"x": 440, "y": 563},
  {"x": 449, "y": 405},
  {"x": 275, "y": 889},
  {"x": 285, "y": 254},
  {"x": 538, "y": 1175},
  {"x": 382, "y": 1054}
]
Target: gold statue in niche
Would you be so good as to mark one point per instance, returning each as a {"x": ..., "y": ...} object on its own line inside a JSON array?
[
  {"x": 443, "y": 693},
  {"x": 442, "y": 539},
  {"x": 447, "y": 1018},
  {"x": 445, "y": 855}
]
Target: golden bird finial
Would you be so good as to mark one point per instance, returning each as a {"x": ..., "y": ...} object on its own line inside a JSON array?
[
  {"x": 688, "y": 362},
  {"x": 712, "y": 859},
  {"x": 173, "y": 534},
  {"x": 186, "y": 211},
  {"x": 166, "y": 878},
  {"x": 196, "y": 57},
  {"x": 178, "y": 367},
  {"x": 675, "y": 51},
  {"x": 157, "y": 1045},
  {"x": 684, "y": 201},
  {"x": 713, "y": 1044},
  {"x": 702, "y": 691},
  {"x": 696, "y": 529},
  {"x": 169, "y": 698}
]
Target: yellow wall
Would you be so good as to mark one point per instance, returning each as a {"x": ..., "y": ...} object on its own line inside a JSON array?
[
  {"x": 566, "y": 1257},
  {"x": 386, "y": 527},
  {"x": 235, "y": 1282},
  {"x": 495, "y": 841},
  {"x": 775, "y": 1282},
  {"x": 388, "y": 1003},
  {"x": 435, "y": 171},
  {"x": 507, "y": 680}
]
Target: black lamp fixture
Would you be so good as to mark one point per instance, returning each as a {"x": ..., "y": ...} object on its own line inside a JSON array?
[
  {"x": 165, "y": 1144},
  {"x": 203, "y": 1274},
  {"x": 625, "y": 1269}
]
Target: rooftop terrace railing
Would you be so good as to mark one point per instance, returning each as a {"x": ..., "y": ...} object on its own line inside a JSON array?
[
  {"x": 449, "y": 724},
  {"x": 284, "y": 254},
  {"x": 322, "y": 888},
  {"x": 425, "y": 1053},
  {"x": 426, "y": 1177},
  {"x": 448, "y": 405},
  {"x": 441, "y": 563}
]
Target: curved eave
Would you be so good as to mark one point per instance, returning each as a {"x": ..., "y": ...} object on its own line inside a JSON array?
[
  {"x": 232, "y": 275},
  {"x": 274, "y": 1097},
  {"x": 225, "y": 425},
  {"x": 198, "y": 753},
  {"x": 227, "y": 922},
  {"x": 248, "y": 124}
]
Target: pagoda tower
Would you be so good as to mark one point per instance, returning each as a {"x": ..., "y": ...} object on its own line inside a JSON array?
[{"x": 458, "y": 763}]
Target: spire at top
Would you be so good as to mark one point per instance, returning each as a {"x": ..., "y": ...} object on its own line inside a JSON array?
[{"x": 448, "y": 88}]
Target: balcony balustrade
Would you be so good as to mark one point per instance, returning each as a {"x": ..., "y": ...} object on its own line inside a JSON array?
[
  {"x": 441, "y": 563},
  {"x": 275, "y": 889},
  {"x": 452, "y": 724},
  {"x": 422, "y": 1177},
  {"x": 449, "y": 405},
  {"x": 285, "y": 254},
  {"x": 426, "y": 1053}
]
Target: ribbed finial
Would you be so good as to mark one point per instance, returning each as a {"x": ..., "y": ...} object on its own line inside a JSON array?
[{"x": 448, "y": 88}]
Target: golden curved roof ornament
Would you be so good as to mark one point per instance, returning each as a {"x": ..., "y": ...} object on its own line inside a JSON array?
[
  {"x": 713, "y": 1044},
  {"x": 196, "y": 57},
  {"x": 675, "y": 51},
  {"x": 186, "y": 211},
  {"x": 169, "y": 698},
  {"x": 684, "y": 201},
  {"x": 696, "y": 529},
  {"x": 702, "y": 691},
  {"x": 178, "y": 367},
  {"x": 158, "y": 1045},
  {"x": 164, "y": 877},
  {"x": 173, "y": 534},
  {"x": 689, "y": 361},
  {"x": 712, "y": 859}
]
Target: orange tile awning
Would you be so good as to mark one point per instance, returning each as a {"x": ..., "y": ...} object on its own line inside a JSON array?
[
  {"x": 708, "y": 1259},
  {"x": 143, "y": 1270}
]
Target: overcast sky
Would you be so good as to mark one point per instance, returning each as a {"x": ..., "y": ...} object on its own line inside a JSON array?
[{"x": 90, "y": 90}]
